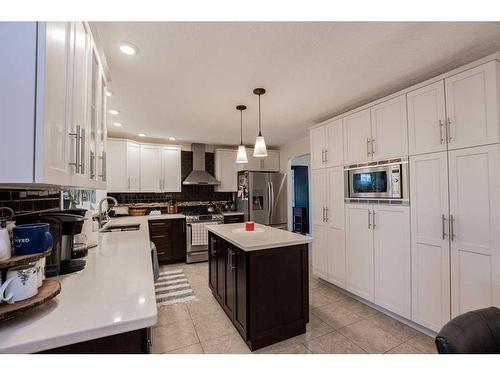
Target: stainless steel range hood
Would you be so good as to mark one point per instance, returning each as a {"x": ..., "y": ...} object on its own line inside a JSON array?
[{"x": 199, "y": 176}]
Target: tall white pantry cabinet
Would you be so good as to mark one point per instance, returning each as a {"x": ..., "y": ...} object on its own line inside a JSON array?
[
  {"x": 52, "y": 105},
  {"x": 439, "y": 257}
]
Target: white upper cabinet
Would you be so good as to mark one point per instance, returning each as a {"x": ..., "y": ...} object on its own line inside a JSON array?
[
  {"x": 474, "y": 180},
  {"x": 271, "y": 163},
  {"x": 318, "y": 144},
  {"x": 427, "y": 119},
  {"x": 359, "y": 251},
  {"x": 357, "y": 137},
  {"x": 391, "y": 238},
  {"x": 52, "y": 130},
  {"x": 389, "y": 129},
  {"x": 327, "y": 145},
  {"x": 334, "y": 152},
  {"x": 117, "y": 178},
  {"x": 151, "y": 171},
  {"x": 123, "y": 160},
  {"x": 171, "y": 169},
  {"x": 472, "y": 106},
  {"x": 53, "y": 101},
  {"x": 133, "y": 166},
  {"x": 226, "y": 170},
  {"x": 430, "y": 249}
]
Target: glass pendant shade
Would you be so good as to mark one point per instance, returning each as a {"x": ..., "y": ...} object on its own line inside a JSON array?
[
  {"x": 241, "y": 156},
  {"x": 260, "y": 151}
]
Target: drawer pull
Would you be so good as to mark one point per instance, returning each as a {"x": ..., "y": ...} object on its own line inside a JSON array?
[
  {"x": 159, "y": 236},
  {"x": 160, "y": 253},
  {"x": 159, "y": 224}
]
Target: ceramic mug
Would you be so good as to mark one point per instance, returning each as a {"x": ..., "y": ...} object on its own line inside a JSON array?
[
  {"x": 21, "y": 283},
  {"x": 5, "y": 244},
  {"x": 32, "y": 238}
]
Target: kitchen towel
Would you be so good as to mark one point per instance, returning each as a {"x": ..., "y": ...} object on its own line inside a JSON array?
[{"x": 199, "y": 233}]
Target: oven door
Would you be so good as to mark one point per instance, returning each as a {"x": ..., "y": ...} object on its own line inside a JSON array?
[{"x": 371, "y": 182}]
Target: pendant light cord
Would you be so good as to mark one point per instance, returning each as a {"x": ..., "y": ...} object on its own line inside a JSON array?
[
  {"x": 260, "y": 133},
  {"x": 241, "y": 127}
]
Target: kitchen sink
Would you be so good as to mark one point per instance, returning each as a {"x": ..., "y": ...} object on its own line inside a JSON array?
[{"x": 121, "y": 227}]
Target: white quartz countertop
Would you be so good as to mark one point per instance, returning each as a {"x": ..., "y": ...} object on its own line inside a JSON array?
[
  {"x": 113, "y": 294},
  {"x": 264, "y": 237},
  {"x": 232, "y": 213}
]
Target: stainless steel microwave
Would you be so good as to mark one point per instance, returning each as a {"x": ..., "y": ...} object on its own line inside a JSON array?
[{"x": 386, "y": 179}]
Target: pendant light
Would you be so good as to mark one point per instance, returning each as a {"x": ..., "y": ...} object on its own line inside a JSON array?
[
  {"x": 259, "y": 151},
  {"x": 241, "y": 156}
]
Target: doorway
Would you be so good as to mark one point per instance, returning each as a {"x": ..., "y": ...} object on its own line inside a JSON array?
[{"x": 300, "y": 169}]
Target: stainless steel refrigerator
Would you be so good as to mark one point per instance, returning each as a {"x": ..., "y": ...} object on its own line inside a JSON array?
[{"x": 262, "y": 197}]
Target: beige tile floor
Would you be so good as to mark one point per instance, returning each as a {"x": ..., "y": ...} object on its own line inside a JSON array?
[{"x": 338, "y": 325}]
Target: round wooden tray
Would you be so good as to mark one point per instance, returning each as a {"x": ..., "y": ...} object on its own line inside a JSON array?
[
  {"x": 48, "y": 290},
  {"x": 18, "y": 260}
]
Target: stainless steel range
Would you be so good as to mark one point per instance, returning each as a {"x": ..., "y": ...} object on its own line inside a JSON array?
[{"x": 197, "y": 234}]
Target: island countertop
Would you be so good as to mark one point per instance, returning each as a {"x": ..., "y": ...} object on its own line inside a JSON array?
[
  {"x": 113, "y": 294},
  {"x": 264, "y": 237}
]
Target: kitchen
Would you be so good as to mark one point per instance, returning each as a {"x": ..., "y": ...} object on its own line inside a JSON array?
[{"x": 156, "y": 210}]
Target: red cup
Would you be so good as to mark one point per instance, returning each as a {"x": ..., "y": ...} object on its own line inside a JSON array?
[{"x": 249, "y": 225}]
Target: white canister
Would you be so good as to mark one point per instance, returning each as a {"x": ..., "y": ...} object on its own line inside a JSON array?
[
  {"x": 21, "y": 283},
  {"x": 5, "y": 244}
]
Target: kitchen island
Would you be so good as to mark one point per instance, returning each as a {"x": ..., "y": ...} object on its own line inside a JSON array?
[{"x": 261, "y": 280}]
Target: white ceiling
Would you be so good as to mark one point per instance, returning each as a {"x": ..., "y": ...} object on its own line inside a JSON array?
[{"x": 188, "y": 77}]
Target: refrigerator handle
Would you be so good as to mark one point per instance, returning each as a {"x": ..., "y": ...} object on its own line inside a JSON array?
[
  {"x": 271, "y": 194},
  {"x": 269, "y": 209}
]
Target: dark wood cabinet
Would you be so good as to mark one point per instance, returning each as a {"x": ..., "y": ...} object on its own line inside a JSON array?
[
  {"x": 232, "y": 219},
  {"x": 265, "y": 293},
  {"x": 169, "y": 236}
]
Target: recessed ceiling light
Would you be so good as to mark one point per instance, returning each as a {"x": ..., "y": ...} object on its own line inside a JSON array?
[
  {"x": 114, "y": 112},
  {"x": 142, "y": 135},
  {"x": 171, "y": 138},
  {"x": 128, "y": 48},
  {"x": 119, "y": 124},
  {"x": 109, "y": 93}
]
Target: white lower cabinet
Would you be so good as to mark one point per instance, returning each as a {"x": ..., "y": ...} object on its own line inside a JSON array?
[
  {"x": 378, "y": 255},
  {"x": 474, "y": 175},
  {"x": 430, "y": 247},
  {"x": 359, "y": 251},
  {"x": 391, "y": 245},
  {"x": 320, "y": 251}
]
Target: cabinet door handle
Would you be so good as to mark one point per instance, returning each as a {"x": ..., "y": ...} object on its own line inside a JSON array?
[
  {"x": 76, "y": 135},
  {"x": 369, "y": 221},
  {"x": 104, "y": 167},
  {"x": 443, "y": 223},
  {"x": 452, "y": 229},
  {"x": 367, "y": 146},
  {"x": 372, "y": 142},
  {"x": 92, "y": 164},
  {"x": 326, "y": 214},
  {"x": 326, "y": 155},
  {"x": 441, "y": 124},
  {"x": 323, "y": 208},
  {"x": 373, "y": 220},
  {"x": 448, "y": 129},
  {"x": 82, "y": 150},
  {"x": 128, "y": 182}
]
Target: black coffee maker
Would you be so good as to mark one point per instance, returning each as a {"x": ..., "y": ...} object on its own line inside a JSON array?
[{"x": 63, "y": 227}]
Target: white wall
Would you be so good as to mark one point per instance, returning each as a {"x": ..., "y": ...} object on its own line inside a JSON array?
[{"x": 288, "y": 152}]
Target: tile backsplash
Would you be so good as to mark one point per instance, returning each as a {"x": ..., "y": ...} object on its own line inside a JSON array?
[
  {"x": 30, "y": 201},
  {"x": 188, "y": 193}
]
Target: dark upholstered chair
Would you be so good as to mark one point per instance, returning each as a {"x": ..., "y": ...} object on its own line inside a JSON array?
[{"x": 474, "y": 332}]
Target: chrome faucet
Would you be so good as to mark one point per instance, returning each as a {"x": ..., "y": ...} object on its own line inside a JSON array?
[{"x": 103, "y": 216}]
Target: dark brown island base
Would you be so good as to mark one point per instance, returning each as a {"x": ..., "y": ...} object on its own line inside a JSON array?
[{"x": 261, "y": 281}]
